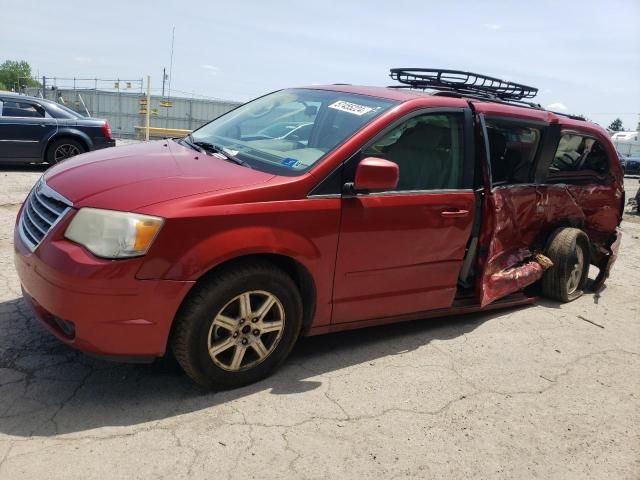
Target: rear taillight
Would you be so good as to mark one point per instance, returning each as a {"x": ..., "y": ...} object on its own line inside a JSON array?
[{"x": 106, "y": 131}]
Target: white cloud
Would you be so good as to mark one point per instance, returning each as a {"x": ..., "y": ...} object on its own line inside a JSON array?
[
  {"x": 82, "y": 59},
  {"x": 558, "y": 107},
  {"x": 212, "y": 69},
  {"x": 492, "y": 26}
]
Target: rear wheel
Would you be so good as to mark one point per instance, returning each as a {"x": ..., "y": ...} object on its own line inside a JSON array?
[
  {"x": 238, "y": 327},
  {"x": 62, "y": 149},
  {"x": 568, "y": 249}
]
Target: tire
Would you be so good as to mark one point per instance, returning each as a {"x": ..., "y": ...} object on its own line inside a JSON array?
[
  {"x": 568, "y": 249},
  {"x": 211, "y": 318},
  {"x": 63, "y": 148}
]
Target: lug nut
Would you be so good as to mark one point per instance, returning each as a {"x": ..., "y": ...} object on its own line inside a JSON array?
[
  {"x": 254, "y": 320},
  {"x": 256, "y": 332},
  {"x": 245, "y": 341},
  {"x": 235, "y": 334},
  {"x": 241, "y": 320}
]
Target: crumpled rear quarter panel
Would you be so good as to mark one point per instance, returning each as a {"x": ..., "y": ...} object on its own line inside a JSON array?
[{"x": 520, "y": 218}]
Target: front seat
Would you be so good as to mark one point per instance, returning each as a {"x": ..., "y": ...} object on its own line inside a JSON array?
[{"x": 422, "y": 166}]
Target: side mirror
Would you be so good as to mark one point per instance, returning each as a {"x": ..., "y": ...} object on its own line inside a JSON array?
[{"x": 376, "y": 174}]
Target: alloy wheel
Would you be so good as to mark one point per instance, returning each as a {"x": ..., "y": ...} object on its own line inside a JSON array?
[
  {"x": 246, "y": 330},
  {"x": 65, "y": 151}
]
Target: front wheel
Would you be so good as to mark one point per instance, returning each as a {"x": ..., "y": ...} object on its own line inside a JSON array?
[
  {"x": 568, "y": 249},
  {"x": 238, "y": 327}
]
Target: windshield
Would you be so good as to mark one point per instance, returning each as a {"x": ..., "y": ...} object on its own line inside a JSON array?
[{"x": 289, "y": 131}]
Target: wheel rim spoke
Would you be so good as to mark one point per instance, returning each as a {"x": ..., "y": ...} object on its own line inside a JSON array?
[
  {"x": 265, "y": 307},
  {"x": 260, "y": 349},
  {"x": 238, "y": 355},
  {"x": 274, "y": 326},
  {"x": 226, "y": 322},
  {"x": 222, "y": 346},
  {"x": 245, "y": 305}
]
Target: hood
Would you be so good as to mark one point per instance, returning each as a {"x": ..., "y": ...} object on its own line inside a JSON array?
[{"x": 130, "y": 177}]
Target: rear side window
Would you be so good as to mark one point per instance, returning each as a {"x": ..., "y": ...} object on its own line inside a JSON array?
[
  {"x": 21, "y": 109},
  {"x": 428, "y": 150},
  {"x": 578, "y": 157},
  {"x": 513, "y": 151}
]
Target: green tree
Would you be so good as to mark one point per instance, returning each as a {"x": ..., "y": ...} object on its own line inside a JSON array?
[
  {"x": 616, "y": 125},
  {"x": 16, "y": 74}
]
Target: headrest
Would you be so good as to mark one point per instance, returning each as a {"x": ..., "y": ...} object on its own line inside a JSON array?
[{"x": 422, "y": 136}]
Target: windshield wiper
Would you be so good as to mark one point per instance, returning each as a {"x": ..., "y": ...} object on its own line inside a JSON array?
[
  {"x": 210, "y": 147},
  {"x": 188, "y": 140}
]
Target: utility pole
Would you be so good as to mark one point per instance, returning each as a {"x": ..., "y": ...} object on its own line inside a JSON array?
[
  {"x": 173, "y": 36},
  {"x": 164, "y": 77},
  {"x": 146, "y": 133}
]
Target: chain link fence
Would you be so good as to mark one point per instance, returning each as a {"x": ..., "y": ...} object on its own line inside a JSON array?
[{"x": 123, "y": 103}]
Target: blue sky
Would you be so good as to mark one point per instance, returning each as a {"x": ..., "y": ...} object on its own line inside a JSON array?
[{"x": 584, "y": 56}]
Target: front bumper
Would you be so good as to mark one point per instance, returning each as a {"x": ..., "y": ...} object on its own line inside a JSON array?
[{"x": 113, "y": 314}]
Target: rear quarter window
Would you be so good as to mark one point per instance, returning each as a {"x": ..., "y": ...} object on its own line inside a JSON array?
[{"x": 579, "y": 158}]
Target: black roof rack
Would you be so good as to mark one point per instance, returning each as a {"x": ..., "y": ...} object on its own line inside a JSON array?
[{"x": 461, "y": 82}]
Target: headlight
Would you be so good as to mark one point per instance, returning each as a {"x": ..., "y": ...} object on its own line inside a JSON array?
[{"x": 111, "y": 234}]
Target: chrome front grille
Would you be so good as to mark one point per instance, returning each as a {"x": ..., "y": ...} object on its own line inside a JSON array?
[{"x": 43, "y": 209}]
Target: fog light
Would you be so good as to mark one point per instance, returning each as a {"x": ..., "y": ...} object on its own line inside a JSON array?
[{"x": 68, "y": 328}]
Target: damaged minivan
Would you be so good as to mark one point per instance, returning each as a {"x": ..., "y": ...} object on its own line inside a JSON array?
[{"x": 445, "y": 194}]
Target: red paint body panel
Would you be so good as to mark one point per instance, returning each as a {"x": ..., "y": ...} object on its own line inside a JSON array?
[
  {"x": 113, "y": 313},
  {"x": 413, "y": 254},
  {"x": 372, "y": 259},
  {"x": 164, "y": 170}
]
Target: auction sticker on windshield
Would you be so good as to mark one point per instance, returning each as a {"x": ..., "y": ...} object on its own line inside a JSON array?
[{"x": 349, "y": 107}]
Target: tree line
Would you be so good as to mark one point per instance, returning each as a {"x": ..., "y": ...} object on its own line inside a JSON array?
[{"x": 15, "y": 75}]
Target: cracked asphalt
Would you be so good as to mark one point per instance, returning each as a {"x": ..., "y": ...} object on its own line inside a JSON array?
[{"x": 550, "y": 391}]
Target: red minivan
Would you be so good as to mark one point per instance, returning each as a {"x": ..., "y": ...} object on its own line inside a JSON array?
[{"x": 315, "y": 210}]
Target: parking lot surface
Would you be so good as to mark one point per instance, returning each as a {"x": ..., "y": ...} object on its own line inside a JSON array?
[{"x": 549, "y": 391}]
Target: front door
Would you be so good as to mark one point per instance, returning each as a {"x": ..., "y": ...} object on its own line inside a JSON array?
[{"x": 401, "y": 251}]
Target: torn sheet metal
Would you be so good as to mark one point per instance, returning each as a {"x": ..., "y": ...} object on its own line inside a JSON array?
[
  {"x": 607, "y": 263},
  {"x": 513, "y": 279},
  {"x": 519, "y": 219}
]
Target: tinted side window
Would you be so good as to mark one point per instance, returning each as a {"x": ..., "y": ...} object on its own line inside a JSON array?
[
  {"x": 21, "y": 109},
  {"x": 577, "y": 156},
  {"x": 512, "y": 152},
  {"x": 428, "y": 149}
]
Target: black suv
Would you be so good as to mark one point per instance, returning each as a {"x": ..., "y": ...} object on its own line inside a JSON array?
[{"x": 38, "y": 130}]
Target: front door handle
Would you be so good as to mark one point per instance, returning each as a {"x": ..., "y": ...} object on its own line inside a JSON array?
[{"x": 454, "y": 213}]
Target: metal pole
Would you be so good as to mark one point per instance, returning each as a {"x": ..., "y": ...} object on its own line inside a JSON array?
[
  {"x": 44, "y": 86},
  {"x": 173, "y": 37},
  {"x": 164, "y": 77},
  {"x": 146, "y": 134},
  {"x": 83, "y": 104}
]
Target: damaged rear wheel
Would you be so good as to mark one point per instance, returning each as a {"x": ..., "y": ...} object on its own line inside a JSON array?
[{"x": 568, "y": 249}]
